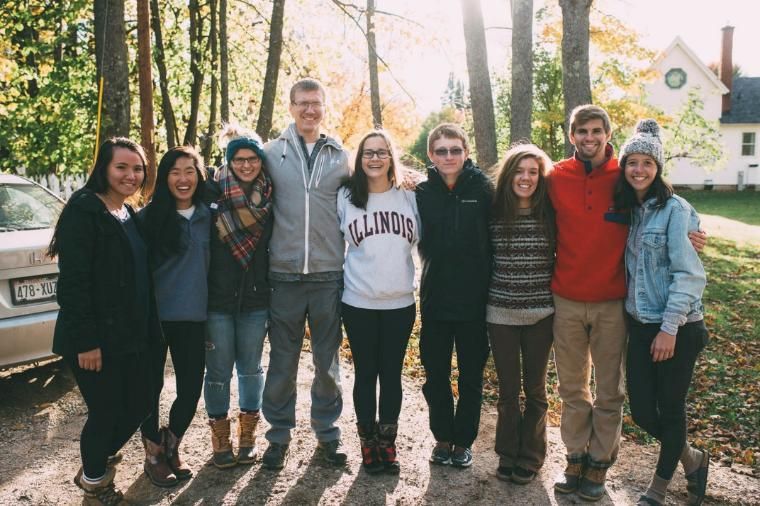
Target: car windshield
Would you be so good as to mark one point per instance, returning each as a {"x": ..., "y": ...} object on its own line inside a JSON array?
[{"x": 27, "y": 207}]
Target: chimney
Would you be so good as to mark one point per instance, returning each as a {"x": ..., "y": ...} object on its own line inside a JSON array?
[{"x": 727, "y": 64}]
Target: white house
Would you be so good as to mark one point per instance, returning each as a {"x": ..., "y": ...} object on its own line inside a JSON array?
[{"x": 734, "y": 102}]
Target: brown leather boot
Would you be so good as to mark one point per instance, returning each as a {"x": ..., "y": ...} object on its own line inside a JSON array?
[
  {"x": 220, "y": 441},
  {"x": 171, "y": 447},
  {"x": 371, "y": 461},
  {"x": 102, "y": 493},
  {"x": 570, "y": 480},
  {"x": 386, "y": 445},
  {"x": 156, "y": 466},
  {"x": 246, "y": 432}
]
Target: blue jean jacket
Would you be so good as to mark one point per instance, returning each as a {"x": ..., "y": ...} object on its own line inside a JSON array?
[{"x": 669, "y": 276}]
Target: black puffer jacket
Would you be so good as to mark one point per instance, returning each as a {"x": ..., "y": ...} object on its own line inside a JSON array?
[
  {"x": 455, "y": 248},
  {"x": 231, "y": 288},
  {"x": 96, "y": 285}
]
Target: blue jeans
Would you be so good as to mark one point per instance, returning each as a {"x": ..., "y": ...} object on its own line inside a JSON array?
[{"x": 234, "y": 340}]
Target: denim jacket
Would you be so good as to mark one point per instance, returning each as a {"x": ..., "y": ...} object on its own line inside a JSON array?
[{"x": 669, "y": 277}]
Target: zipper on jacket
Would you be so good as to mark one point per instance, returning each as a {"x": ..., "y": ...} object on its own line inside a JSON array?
[{"x": 306, "y": 209}]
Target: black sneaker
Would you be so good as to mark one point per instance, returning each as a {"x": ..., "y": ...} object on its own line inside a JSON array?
[
  {"x": 522, "y": 476},
  {"x": 441, "y": 454},
  {"x": 461, "y": 457},
  {"x": 331, "y": 453},
  {"x": 504, "y": 473},
  {"x": 275, "y": 456}
]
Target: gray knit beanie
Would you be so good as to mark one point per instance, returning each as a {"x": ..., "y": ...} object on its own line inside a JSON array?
[{"x": 646, "y": 141}]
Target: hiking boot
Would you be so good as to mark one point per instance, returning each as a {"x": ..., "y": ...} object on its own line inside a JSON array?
[
  {"x": 441, "y": 453},
  {"x": 275, "y": 456},
  {"x": 171, "y": 446},
  {"x": 504, "y": 473},
  {"x": 571, "y": 478},
  {"x": 696, "y": 482},
  {"x": 102, "y": 493},
  {"x": 461, "y": 457},
  {"x": 156, "y": 467},
  {"x": 247, "y": 422},
  {"x": 112, "y": 461},
  {"x": 330, "y": 452},
  {"x": 371, "y": 460},
  {"x": 591, "y": 487},
  {"x": 522, "y": 476},
  {"x": 647, "y": 501},
  {"x": 386, "y": 445},
  {"x": 224, "y": 458}
]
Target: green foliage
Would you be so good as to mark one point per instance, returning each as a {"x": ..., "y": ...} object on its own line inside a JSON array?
[
  {"x": 691, "y": 136},
  {"x": 548, "y": 102},
  {"x": 49, "y": 97},
  {"x": 502, "y": 105},
  {"x": 417, "y": 152}
]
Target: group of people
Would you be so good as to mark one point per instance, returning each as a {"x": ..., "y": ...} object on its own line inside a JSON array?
[{"x": 593, "y": 257}]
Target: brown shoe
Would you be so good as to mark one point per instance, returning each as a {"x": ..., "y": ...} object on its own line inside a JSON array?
[
  {"x": 171, "y": 447},
  {"x": 592, "y": 487},
  {"x": 102, "y": 493},
  {"x": 386, "y": 446},
  {"x": 112, "y": 462},
  {"x": 156, "y": 466},
  {"x": 246, "y": 432},
  {"x": 570, "y": 480},
  {"x": 220, "y": 441},
  {"x": 372, "y": 462}
]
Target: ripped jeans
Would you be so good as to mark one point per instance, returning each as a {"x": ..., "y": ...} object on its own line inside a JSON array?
[{"x": 234, "y": 340}]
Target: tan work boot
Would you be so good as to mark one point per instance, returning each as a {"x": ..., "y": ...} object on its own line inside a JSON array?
[
  {"x": 220, "y": 441},
  {"x": 570, "y": 480},
  {"x": 156, "y": 466},
  {"x": 102, "y": 493},
  {"x": 592, "y": 484},
  {"x": 171, "y": 447},
  {"x": 246, "y": 432}
]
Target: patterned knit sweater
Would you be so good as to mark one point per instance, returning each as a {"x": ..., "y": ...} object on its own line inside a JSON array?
[{"x": 520, "y": 289}]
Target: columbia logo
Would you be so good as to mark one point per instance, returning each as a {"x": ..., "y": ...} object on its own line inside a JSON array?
[{"x": 469, "y": 201}]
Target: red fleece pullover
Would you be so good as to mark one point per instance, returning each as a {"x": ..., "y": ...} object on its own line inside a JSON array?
[{"x": 591, "y": 234}]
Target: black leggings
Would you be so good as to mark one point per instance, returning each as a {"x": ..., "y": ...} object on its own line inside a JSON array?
[
  {"x": 657, "y": 390},
  {"x": 378, "y": 339},
  {"x": 187, "y": 343},
  {"x": 117, "y": 402}
]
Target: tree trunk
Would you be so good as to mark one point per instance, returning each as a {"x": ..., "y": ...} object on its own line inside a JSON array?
[
  {"x": 481, "y": 96},
  {"x": 224, "y": 62},
  {"x": 112, "y": 64},
  {"x": 374, "y": 83},
  {"x": 146, "y": 90},
  {"x": 522, "y": 71},
  {"x": 208, "y": 141},
  {"x": 576, "y": 82},
  {"x": 196, "y": 39},
  {"x": 170, "y": 123},
  {"x": 264, "y": 124}
]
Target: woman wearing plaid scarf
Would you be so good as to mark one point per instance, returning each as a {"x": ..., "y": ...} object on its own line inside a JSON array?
[{"x": 240, "y": 197}]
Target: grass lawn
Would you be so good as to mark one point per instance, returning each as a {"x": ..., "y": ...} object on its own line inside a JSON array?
[{"x": 742, "y": 206}]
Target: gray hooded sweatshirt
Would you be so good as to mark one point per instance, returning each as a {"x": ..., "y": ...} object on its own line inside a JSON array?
[{"x": 306, "y": 239}]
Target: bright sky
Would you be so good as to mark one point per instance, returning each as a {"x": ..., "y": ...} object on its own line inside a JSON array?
[{"x": 425, "y": 68}]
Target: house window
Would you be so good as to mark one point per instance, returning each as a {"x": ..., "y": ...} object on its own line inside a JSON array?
[{"x": 748, "y": 144}]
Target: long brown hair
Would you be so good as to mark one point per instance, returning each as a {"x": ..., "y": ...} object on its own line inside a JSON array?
[
  {"x": 357, "y": 184},
  {"x": 505, "y": 203}
]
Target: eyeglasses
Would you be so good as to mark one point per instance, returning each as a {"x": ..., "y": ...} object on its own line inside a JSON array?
[
  {"x": 306, "y": 105},
  {"x": 369, "y": 154},
  {"x": 443, "y": 152},
  {"x": 239, "y": 162}
]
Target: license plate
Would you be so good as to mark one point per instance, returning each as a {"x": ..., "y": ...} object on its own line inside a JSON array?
[{"x": 30, "y": 290}]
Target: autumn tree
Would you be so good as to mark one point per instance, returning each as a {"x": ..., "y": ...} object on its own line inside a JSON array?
[
  {"x": 112, "y": 64},
  {"x": 576, "y": 83},
  {"x": 522, "y": 70},
  {"x": 269, "y": 93},
  {"x": 480, "y": 83},
  {"x": 374, "y": 83},
  {"x": 167, "y": 110}
]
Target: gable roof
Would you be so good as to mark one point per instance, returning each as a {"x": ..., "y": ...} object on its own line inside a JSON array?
[
  {"x": 745, "y": 101},
  {"x": 678, "y": 42}
]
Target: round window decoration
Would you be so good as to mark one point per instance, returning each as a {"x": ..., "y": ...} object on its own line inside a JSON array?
[{"x": 675, "y": 78}]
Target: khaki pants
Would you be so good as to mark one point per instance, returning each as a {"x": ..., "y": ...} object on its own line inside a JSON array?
[{"x": 586, "y": 333}]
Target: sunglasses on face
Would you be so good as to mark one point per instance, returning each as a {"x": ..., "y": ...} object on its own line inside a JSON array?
[{"x": 443, "y": 152}]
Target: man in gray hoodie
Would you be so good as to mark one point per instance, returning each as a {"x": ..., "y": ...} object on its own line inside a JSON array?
[{"x": 306, "y": 275}]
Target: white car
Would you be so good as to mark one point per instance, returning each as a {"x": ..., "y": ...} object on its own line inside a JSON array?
[{"x": 28, "y": 278}]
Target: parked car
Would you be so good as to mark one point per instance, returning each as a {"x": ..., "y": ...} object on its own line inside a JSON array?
[{"x": 28, "y": 278}]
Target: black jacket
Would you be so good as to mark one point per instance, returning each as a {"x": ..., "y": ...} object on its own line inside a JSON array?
[
  {"x": 231, "y": 288},
  {"x": 96, "y": 284},
  {"x": 455, "y": 248}
]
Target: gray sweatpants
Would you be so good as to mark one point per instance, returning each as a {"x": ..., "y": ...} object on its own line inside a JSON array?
[{"x": 291, "y": 303}]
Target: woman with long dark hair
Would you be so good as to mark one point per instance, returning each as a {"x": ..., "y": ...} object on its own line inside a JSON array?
[
  {"x": 520, "y": 308},
  {"x": 380, "y": 223},
  {"x": 177, "y": 225},
  {"x": 107, "y": 319},
  {"x": 666, "y": 328}
]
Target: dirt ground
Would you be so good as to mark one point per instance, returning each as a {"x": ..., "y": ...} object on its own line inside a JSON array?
[{"x": 41, "y": 415}]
